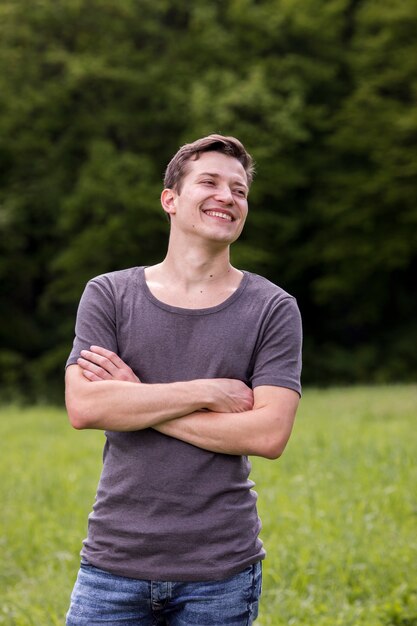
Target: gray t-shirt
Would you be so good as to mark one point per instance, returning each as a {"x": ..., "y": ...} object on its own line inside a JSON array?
[{"x": 165, "y": 509}]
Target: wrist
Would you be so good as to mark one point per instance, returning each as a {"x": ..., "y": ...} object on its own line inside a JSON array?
[{"x": 203, "y": 393}]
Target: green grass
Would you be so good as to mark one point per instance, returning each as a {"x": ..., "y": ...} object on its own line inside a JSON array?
[{"x": 339, "y": 512}]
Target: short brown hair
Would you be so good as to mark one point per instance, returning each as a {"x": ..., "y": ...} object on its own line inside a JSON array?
[{"x": 230, "y": 146}]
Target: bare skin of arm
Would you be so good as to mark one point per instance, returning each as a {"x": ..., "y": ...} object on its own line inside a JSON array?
[
  {"x": 117, "y": 402},
  {"x": 262, "y": 429}
]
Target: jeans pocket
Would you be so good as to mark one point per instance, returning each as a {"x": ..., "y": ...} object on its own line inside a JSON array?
[{"x": 256, "y": 590}]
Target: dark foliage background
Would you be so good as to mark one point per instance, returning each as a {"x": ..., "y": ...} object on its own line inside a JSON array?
[{"x": 96, "y": 96}]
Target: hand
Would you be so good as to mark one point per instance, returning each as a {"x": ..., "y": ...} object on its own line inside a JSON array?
[
  {"x": 230, "y": 396},
  {"x": 101, "y": 364}
]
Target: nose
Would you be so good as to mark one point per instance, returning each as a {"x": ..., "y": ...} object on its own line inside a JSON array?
[{"x": 224, "y": 195}]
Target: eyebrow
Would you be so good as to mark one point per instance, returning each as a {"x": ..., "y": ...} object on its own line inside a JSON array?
[{"x": 214, "y": 175}]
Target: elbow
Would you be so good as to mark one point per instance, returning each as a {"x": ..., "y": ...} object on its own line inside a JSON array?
[
  {"x": 273, "y": 452},
  {"x": 271, "y": 448},
  {"x": 81, "y": 399},
  {"x": 275, "y": 426},
  {"x": 79, "y": 415},
  {"x": 77, "y": 419},
  {"x": 76, "y": 422}
]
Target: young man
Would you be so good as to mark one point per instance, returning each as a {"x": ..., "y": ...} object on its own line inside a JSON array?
[{"x": 190, "y": 366}]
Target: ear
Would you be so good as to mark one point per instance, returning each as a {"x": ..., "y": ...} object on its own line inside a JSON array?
[{"x": 168, "y": 197}]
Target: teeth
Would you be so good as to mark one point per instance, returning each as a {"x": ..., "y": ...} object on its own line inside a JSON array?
[{"x": 224, "y": 216}]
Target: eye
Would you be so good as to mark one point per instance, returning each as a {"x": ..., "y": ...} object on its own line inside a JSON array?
[
  {"x": 240, "y": 192},
  {"x": 209, "y": 181}
]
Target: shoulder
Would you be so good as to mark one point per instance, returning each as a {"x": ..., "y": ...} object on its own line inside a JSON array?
[
  {"x": 118, "y": 277},
  {"x": 271, "y": 304},
  {"x": 117, "y": 281},
  {"x": 265, "y": 289},
  {"x": 112, "y": 286}
]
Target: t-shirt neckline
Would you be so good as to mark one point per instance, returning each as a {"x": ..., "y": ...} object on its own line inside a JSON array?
[{"x": 184, "y": 311}]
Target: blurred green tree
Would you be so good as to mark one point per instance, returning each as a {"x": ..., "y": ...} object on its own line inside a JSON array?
[{"x": 95, "y": 98}]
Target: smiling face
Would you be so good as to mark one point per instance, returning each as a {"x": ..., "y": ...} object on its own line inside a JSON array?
[{"x": 212, "y": 201}]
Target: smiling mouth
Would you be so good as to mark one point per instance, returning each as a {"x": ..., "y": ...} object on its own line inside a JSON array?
[{"x": 220, "y": 214}]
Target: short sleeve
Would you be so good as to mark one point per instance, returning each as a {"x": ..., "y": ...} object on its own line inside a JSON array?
[
  {"x": 96, "y": 319},
  {"x": 278, "y": 354}
]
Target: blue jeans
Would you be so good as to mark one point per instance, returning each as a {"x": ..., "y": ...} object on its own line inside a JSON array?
[{"x": 103, "y": 598}]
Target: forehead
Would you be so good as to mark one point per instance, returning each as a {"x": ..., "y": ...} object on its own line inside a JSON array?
[{"x": 217, "y": 164}]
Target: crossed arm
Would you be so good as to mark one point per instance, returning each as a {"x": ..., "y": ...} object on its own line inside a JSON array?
[{"x": 220, "y": 415}]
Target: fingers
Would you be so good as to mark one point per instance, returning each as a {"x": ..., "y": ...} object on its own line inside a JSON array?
[
  {"x": 109, "y": 355},
  {"x": 231, "y": 396},
  {"x": 91, "y": 376},
  {"x": 105, "y": 359},
  {"x": 101, "y": 364},
  {"x": 93, "y": 371}
]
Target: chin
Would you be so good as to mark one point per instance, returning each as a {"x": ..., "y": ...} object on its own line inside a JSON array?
[{"x": 224, "y": 240}]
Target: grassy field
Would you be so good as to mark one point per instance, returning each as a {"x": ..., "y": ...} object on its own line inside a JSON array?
[{"x": 339, "y": 512}]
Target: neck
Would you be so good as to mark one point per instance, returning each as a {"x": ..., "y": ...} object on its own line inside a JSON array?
[
  {"x": 197, "y": 265},
  {"x": 196, "y": 278}
]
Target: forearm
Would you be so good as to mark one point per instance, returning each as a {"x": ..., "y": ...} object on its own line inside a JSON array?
[
  {"x": 258, "y": 432},
  {"x": 126, "y": 406},
  {"x": 217, "y": 432}
]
